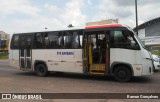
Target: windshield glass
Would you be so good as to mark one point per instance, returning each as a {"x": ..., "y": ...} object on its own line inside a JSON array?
[{"x": 139, "y": 40}]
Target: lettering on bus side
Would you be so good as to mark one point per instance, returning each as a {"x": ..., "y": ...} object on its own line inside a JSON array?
[{"x": 65, "y": 53}]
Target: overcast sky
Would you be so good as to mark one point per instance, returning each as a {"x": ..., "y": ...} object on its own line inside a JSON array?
[{"x": 35, "y": 15}]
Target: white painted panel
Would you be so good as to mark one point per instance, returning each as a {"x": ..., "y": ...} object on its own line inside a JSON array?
[
  {"x": 14, "y": 58},
  {"x": 60, "y": 59},
  {"x": 15, "y": 54},
  {"x": 78, "y": 59},
  {"x": 138, "y": 69},
  {"x": 79, "y": 67},
  {"x": 125, "y": 55},
  {"x": 132, "y": 57},
  {"x": 64, "y": 66}
]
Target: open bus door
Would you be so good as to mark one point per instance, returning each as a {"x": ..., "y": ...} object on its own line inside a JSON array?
[
  {"x": 96, "y": 52},
  {"x": 25, "y": 52}
]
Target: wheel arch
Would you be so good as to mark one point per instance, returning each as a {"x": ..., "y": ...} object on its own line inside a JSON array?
[
  {"x": 37, "y": 62},
  {"x": 115, "y": 64}
]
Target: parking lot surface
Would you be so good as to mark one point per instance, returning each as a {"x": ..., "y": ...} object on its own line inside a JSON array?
[{"x": 17, "y": 81}]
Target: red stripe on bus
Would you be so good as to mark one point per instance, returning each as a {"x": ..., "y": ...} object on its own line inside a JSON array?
[{"x": 103, "y": 26}]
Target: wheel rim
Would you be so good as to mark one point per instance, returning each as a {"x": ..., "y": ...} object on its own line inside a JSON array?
[
  {"x": 41, "y": 70},
  {"x": 122, "y": 74}
]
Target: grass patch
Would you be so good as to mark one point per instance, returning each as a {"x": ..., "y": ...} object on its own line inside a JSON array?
[
  {"x": 156, "y": 52},
  {"x": 3, "y": 55}
]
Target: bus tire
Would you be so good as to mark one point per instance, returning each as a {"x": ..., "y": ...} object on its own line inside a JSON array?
[
  {"x": 41, "y": 70},
  {"x": 122, "y": 74}
]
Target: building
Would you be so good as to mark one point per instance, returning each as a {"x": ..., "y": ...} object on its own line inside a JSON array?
[
  {"x": 4, "y": 41},
  {"x": 4, "y": 36},
  {"x": 149, "y": 33}
]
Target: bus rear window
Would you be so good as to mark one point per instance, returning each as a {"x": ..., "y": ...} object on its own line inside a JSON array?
[{"x": 15, "y": 42}]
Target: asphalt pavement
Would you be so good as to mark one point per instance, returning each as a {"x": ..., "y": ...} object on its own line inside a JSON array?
[{"x": 16, "y": 81}]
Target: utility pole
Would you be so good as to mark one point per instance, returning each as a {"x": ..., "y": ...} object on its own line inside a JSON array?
[{"x": 136, "y": 17}]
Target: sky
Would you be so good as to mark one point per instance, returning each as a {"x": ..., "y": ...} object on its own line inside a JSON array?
[{"x": 36, "y": 15}]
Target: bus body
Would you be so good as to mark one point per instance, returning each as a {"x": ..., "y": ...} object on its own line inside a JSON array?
[
  {"x": 7, "y": 45},
  {"x": 111, "y": 49}
]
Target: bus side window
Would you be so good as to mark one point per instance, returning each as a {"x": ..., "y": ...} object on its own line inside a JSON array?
[
  {"x": 119, "y": 39},
  {"x": 38, "y": 41},
  {"x": 15, "y": 42},
  {"x": 67, "y": 39},
  {"x": 75, "y": 40},
  {"x": 71, "y": 39},
  {"x": 46, "y": 41},
  {"x": 80, "y": 38},
  {"x": 53, "y": 40},
  {"x": 81, "y": 41},
  {"x": 123, "y": 39}
]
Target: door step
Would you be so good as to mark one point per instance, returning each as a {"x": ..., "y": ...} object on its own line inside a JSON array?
[{"x": 97, "y": 73}]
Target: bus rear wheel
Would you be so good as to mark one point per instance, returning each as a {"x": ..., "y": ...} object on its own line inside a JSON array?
[
  {"x": 41, "y": 70},
  {"x": 122, "y": 74}
]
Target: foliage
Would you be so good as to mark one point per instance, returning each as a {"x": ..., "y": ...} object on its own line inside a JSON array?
[
  {"x": 3, "y": 55},
  {"x": 156, "y": 52}
]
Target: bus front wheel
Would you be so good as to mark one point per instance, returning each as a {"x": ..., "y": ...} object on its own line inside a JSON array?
[
  {"x": 41, "y": 70},
  {"x": 122, "y": 74}
]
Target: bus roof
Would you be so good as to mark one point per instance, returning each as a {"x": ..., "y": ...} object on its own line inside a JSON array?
[
  {"x": 87, "y": 27},
  {"x": 104, "y": 26}
]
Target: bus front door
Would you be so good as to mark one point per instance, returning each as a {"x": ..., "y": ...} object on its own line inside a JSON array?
[
  {"x": 96, "y": 52},
  {"x": 26, "y": 52}
]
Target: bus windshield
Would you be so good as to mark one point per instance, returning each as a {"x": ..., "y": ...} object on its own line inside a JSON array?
[
  {"x": 137, "y": 37},
  {"x": 140, "y": 41}
]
